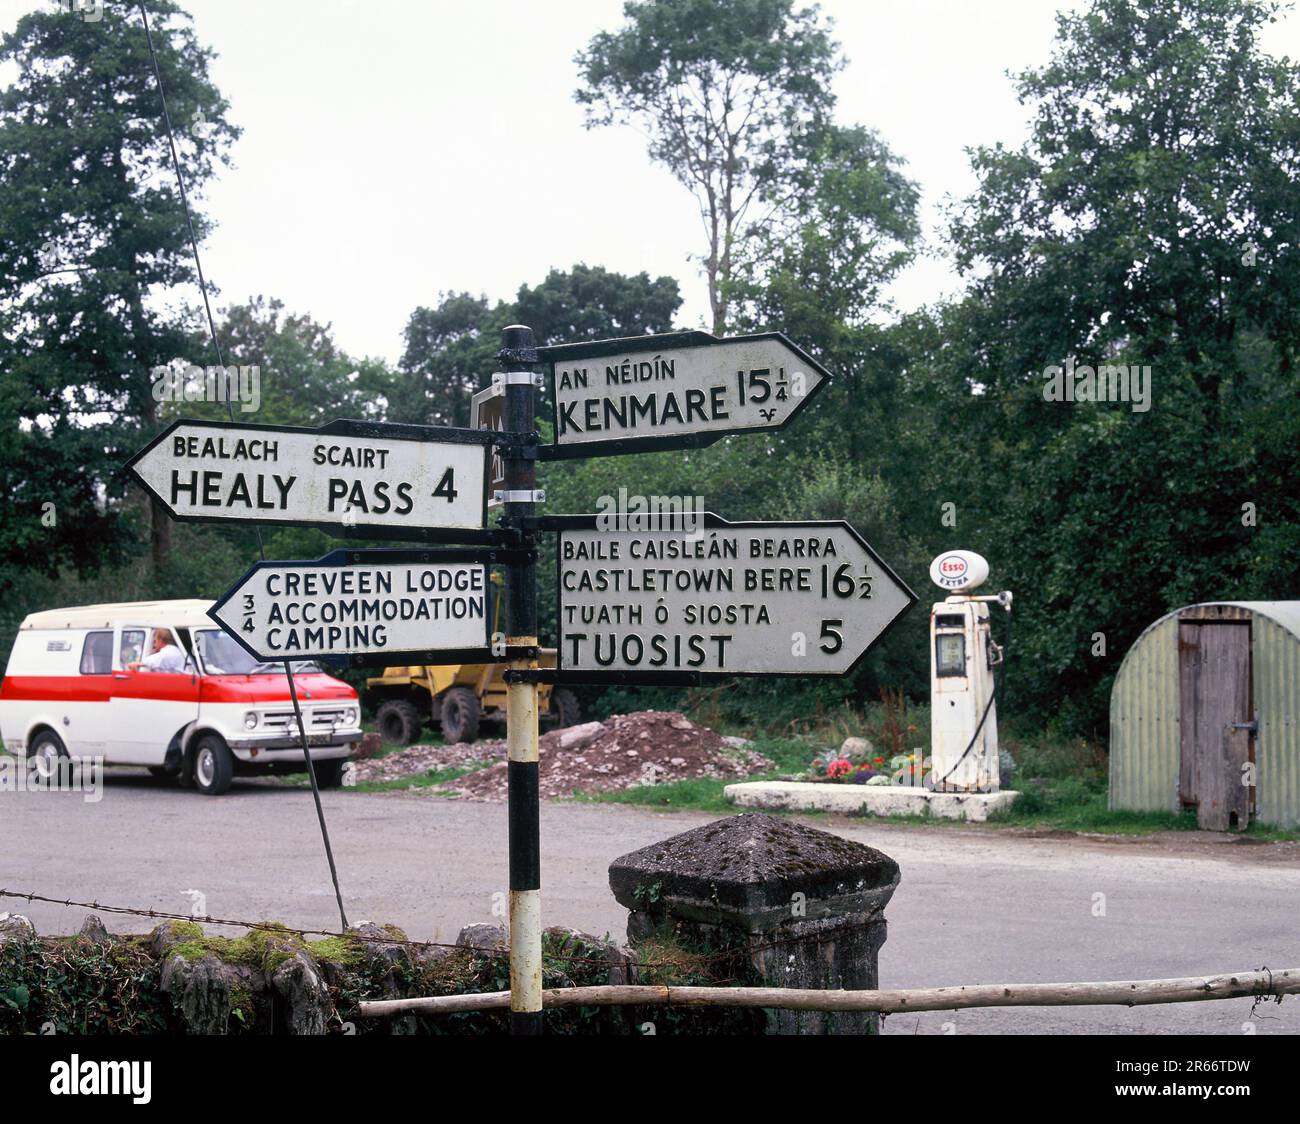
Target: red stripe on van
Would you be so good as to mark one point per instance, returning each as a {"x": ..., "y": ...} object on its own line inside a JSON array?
[
  {"x": 177, "y": 688},
  {"x": 272, "y": 688},
  {"x": 56, "y": 688}
]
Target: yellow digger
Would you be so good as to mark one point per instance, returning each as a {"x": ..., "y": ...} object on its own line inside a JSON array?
[{"x": 457, "y": 697}]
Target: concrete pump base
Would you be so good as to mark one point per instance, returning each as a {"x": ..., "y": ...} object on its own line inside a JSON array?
[{"x": 876, "y": 800}]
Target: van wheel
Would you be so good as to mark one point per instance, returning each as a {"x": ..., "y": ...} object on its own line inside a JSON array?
[
  {"x": 44, "y": 752},
  {"x": 460, "y": 715},
  {"x": 329, "y": 774},
  {"x": 564, "y": 708},
  {"x": 214, "y": 767},
  {"x": 398, "y": 721}
]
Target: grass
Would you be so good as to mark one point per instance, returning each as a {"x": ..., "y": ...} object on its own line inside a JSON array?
[
  {"x": 699, "y": 794},
  {"x": 426, "y": 779},
  {"x": 1090, "y": 813},
  {"x": 1063, "y": 781}
]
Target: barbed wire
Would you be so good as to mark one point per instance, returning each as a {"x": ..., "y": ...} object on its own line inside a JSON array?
[{"x": 351, "y": 933}]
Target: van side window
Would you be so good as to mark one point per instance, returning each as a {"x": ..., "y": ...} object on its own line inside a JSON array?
[
  {"x": 97, "y": 654},
  {"x": 132, "y": 647}
]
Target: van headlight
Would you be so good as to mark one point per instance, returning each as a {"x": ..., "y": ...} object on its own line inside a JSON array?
[
  {"x": 350, "y": 716},
  {"x": 250, "y": 720}
]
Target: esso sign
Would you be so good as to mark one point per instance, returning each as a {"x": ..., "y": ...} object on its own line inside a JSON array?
[{"x": 958, "y": 570}]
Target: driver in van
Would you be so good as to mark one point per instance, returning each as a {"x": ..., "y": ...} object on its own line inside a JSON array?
[{"x": 165, "y": 655}]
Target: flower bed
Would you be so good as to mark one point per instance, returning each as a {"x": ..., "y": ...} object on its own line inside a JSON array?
[{"x": 847, "y": 767}]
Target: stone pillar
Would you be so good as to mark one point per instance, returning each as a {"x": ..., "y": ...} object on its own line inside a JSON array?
[{"x": 803, "y": 908}]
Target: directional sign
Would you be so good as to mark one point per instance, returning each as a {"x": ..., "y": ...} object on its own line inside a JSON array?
[
  {"x": 345, "y": 474},
  {"x": 423, "y": 605},
  {"x": 674, "y": 390},
  {"x": 668, "y": 598},
  {"x": 487, "y": 411}
]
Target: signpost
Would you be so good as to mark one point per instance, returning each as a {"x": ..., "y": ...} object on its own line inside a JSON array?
[
  {"x": 677, "y": 599},
  {"x": 681, "y": 597},
  {"x": 403, "y": 606},
  {"x": 674, "y": 390},
  {"x": 357, "y": 475},
  {"x": 524, "y": 816}
]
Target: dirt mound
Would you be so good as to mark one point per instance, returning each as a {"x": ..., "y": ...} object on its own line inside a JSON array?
[{"x": 646, "y": 747}]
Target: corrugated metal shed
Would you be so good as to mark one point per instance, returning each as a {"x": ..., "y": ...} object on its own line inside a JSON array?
[{"x": 1145, "y": 711}]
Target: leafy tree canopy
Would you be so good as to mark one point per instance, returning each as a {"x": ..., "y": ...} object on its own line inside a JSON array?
[
  {"x": 451, "y": 348},
  {"x": 93, "y": 241},
  {"x": 730, "y": 95}
]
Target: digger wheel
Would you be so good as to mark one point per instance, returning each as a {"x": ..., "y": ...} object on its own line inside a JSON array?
[
  {"x": 398, "y": 721},
  {"x": 460, "y": 715},
  {"x": 564, "y": 708}
]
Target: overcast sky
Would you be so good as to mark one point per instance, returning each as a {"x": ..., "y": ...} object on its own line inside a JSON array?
[{"x": 394, "y": 149}]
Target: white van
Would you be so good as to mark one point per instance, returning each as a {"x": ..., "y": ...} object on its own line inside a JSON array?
[{"x": 71, "y": 690}]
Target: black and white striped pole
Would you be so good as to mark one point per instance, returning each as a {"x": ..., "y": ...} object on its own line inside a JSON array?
[{"x": 518, "y": 356}]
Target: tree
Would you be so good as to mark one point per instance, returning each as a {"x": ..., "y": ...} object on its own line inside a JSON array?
[
  {"x": 451, "y": 348},
  {"x": 819, "y": 273},
  {"x": 732, "y": 95},
  {"x": 305, "y": 379},
  {"x": 821, "y": 267},
  {"x": 1151, "y": 221},
  {"x": 92, "y": 239},
  {"x": 450, "y": 352},
  {"x": 1155, "y": 203},
  {"x": 591, "y": 303}
]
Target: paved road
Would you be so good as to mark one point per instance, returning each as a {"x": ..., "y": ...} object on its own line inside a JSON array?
[{"x": 973, "y": 906}]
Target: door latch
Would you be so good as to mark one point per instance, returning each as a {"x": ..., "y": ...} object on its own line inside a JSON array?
[{"x": 1252, "y": 725}]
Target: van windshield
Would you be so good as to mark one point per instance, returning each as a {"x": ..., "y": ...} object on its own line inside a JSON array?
[{"x": 222, "y": 656}]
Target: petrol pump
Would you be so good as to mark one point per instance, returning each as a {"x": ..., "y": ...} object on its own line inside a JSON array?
[{"x": 964, "y": 678}]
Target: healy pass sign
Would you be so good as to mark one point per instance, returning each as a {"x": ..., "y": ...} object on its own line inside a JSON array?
[
  {"x": 674, "y": 390},
  {"x": 701, "y": 596},
  {"x": 345, "y": 473}
]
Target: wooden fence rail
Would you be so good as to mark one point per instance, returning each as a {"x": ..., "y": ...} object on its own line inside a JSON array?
[{"x": 1127, "y": 993}]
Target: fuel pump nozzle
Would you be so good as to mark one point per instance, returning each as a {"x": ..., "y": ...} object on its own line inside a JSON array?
[{"x": 1004, "y": 598}]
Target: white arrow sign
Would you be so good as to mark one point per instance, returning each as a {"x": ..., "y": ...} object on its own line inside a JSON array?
[
  {"x": 704, "y": 596},
  {"x": 370, "y": 602},
  {"x": 674, "y": 390},
  {"x": 352, "y": 474}
]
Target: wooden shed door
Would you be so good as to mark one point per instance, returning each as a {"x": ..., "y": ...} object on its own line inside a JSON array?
[{"x": 1214, "y": 688}]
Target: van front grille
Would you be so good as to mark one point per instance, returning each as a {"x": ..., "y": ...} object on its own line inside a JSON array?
[{"x": 322, "y": 718}]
